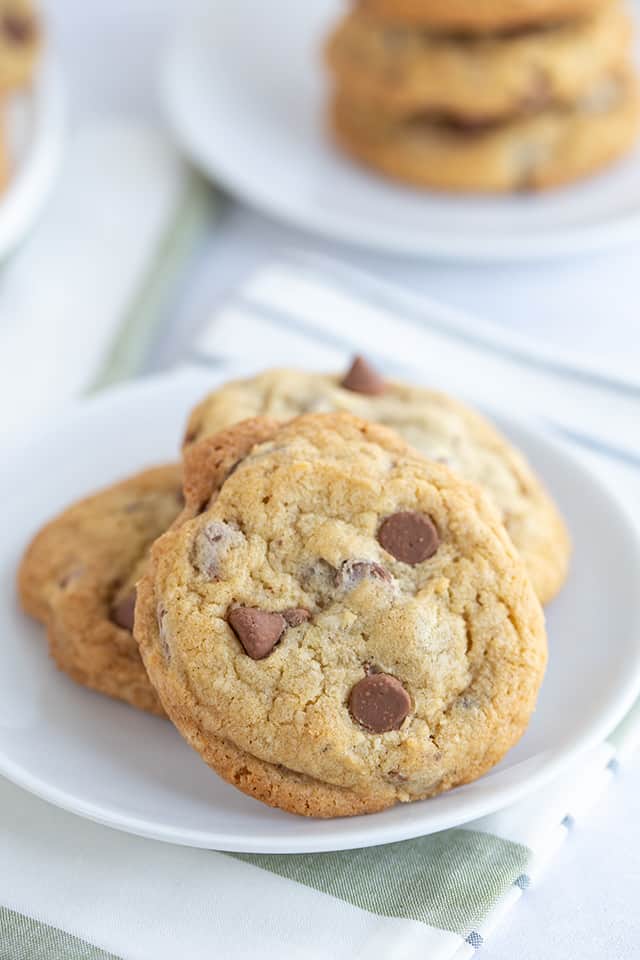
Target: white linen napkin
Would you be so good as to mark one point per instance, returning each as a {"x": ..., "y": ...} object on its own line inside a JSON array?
[{"x": 118, "y": 227}]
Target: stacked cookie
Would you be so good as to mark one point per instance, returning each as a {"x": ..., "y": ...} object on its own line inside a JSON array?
[
  {"x": 20, "y": 42},
  {"x": 336, "y": 620},
  {"x": 484, "y": 96}
]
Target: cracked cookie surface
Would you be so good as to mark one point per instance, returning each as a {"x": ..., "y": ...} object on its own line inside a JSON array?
[
  {"x": 438, "y": 426},
  {"x": 78, "y": 578},
  {"x": 336, "y": 624}
]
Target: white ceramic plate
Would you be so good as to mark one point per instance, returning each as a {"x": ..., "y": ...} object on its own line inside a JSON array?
[
  {"x": 245, "y": 93},
  {"x": 113, "y": 764},
  {"x": 35, "y": 132}
]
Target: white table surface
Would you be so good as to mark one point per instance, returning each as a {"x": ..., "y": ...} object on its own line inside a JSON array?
[{"x": 586, "y": 906}]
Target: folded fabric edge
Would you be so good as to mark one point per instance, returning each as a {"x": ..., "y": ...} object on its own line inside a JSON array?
[{"x": 23, "y": 936}]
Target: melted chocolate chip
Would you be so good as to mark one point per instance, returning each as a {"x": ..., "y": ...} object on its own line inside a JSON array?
[
  {"x": 295, "y": 616},
  {"x": 459, "y": 126},
  {"x": 18, "y": 29},
  {"x": 379, "y": 703},
  {"x": 362, "y": 378},
  {"x": 353, "y": 571},
  {"x": 409, "y": 536},
  {"x": 257, "y": 630},
  {"x": 122, "y": 612},
  {"x": 212, "y": 544}
]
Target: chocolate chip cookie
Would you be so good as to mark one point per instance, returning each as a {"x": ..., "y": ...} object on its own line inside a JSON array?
[
  {"x": 481, "y": 15},
  {"x": 78, "y": 577},
  {"x": 435, "y": 424},
  {"x": 554, "y": 146},
  {"x": 403, "y": 71},
  {"x": 335, "y": 623},
  {"x": 20, "y": 42}
]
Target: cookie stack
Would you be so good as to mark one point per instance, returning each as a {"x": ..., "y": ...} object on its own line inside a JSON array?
[
  {"x": 20, "y": 43},
  {"x": 484, "y": 95},
  {"x": 335, "y": 620}
]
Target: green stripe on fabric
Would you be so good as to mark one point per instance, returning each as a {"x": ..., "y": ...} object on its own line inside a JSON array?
[
  {"x": 450, "y": 880},
  {"x": 140, "y": 324},
  {"x": 22, "y": 938}
]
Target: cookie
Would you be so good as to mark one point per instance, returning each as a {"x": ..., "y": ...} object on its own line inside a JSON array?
[
  {"x": 552, "y": 147},
  {"x": 481, "y": 15},
  {"x": 20, "y": 43},
  {"x": 435, "y": 424},
  {"x": 342, "y": 625},
  {"x": 5, "y": 157},
  {"x": 402, "y": 71},
  {"x": 78, "y": 577}
]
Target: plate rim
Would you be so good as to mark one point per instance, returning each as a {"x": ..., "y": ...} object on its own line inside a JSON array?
[
  {"x": 509, "y": 247},
  {"x": 32, "y": 180},
  {"x": 359, "y": 830}
]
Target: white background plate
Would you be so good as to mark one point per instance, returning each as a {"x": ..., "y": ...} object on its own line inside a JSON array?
[
  {"x": 35, "y": 133},
  {"x": 245, "y": 93},
  {"x": 107, "y": 761}
]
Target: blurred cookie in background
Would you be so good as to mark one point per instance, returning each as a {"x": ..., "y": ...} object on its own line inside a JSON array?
[
  {"x": 548, "y": 148},
  {"x": 20, "y": 47},
  {"x": 404, "y": 70},
  {"x": 484, "y": 104},
  {"x": 481, "y": 15},
  {"x": 20, "y": 43}
]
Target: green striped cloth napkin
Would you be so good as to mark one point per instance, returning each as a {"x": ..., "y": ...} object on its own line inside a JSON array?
[{"x": 72, "y": 889}]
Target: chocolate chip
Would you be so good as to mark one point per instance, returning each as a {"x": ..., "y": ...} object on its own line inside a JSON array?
[
  {"x": 319, "y": 578},
  {"x": 257, "y": 630},
  {"x": 353, "y": 571},
  {"x": 409, "y": 536},
  {"x": 466, "y": 126},
  {"x": 379, "y": 703},
  {"x": 122, "y": 612},
  {"x": 17, "y": 29},
  {"x": 212, "y": 545},
  {"x": 362, "y": 378},
  {"x": 296, "y": 615}
]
